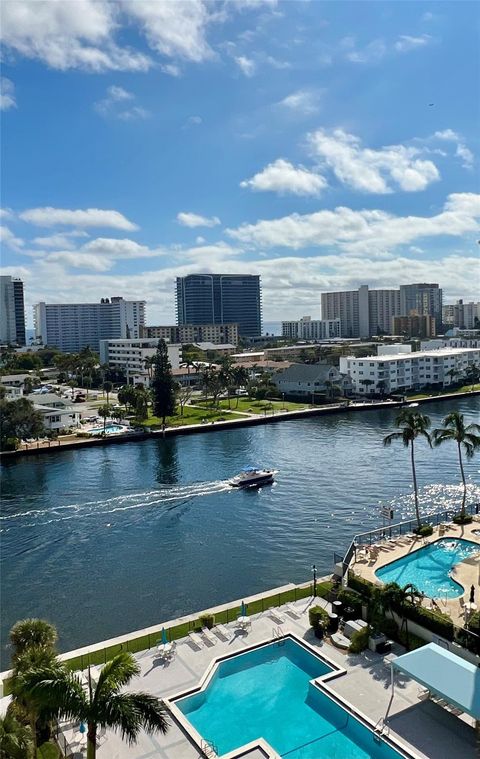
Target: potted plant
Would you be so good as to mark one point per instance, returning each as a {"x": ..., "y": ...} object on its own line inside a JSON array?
[
  {"x": 318, "y": 619},
  {"x": 207, "y": 620}
]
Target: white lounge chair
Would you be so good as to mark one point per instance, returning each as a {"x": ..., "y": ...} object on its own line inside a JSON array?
[
  {"x": 277, "y": 616},
  {"x": 208, "y": 635},
  {"x": 290, "y": 609},
  {"x": 222, "y": 632},
  {"x": 196, "y": 639}
]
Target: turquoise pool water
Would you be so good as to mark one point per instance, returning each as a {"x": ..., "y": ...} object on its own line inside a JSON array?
[
  {"x": 110, "y": 429},
  {"x": 429, "y": 567},
  {"x": 267, "y": 693}
]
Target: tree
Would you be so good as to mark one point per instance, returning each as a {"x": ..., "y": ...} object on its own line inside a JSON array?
[
  {"x": 19, "y": 420},
  {"x": 104, "y": 412},
  {"x": 184, "y": 393},
  {"x": 240, "y": 378},
  {"x": 16, "y": 741},
  {"x": 126, "y": 396},
  {"x": 107, "y": 388},
  {"x": 226, "y": 376},
  {"x": 453, "y": 374},
  {"x": 27, "y": 385},
  {"x": 367, "y": 383},
  {"x": 465, "y": 436},
  {"x": 472, "y": 375},
  {"x": 163, "y": 384},
  {"x": 105, "y": 704},
  {"x": 142, "y": 397},
  {"x": 32, "y": 632},
  {"x": 213, "y": 383},
  {"x": 332, "y": 390},
  {"x": 413, "y": 425},
  {"x": 148, "y": 363},
  {"x": 381, "y": 386}
]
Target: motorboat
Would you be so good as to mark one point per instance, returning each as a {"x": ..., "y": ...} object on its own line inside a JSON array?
[
  {"x": 412, "y": 405},
  {"x": 252, "y": 476}
]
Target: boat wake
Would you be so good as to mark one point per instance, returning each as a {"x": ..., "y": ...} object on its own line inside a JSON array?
[{"x": 167, "y": 496}]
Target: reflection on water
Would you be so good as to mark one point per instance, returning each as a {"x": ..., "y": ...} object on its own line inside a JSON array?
[{"x": 106, "y": 540}]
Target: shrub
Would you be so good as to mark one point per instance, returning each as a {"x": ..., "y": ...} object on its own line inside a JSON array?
[
  {"x": 317, "y": 617},
  {"x": 462, "y": 519},
  {"x": 474, "y": 623},
  {"x": 359, "y": 640},
  {"x": 424, "y": 530},
  {"x": 207, "y": 620},
  {"x": 389, "y": 628},
  {"x": 413, "y": 640},
  {"x": 435, "y": 621},
  {"x": 362, "y": 586},
  {"x": 352, "y": 599}
]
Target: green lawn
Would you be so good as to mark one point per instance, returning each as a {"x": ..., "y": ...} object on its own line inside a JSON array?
[
  {"x": 191, "y": 415},
  {"x": 248, "y": 405},
  {"x": 465, "y": 389}
]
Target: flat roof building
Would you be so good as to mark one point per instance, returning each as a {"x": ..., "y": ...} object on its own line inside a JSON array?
[
  {"x": 12, "y": 311},
  {"x": 194, "y": 333},
  {"x": 363, "y": 312}
]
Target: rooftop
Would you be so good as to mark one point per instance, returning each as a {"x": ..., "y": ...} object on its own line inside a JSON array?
[{"x": 434, "y": 353}]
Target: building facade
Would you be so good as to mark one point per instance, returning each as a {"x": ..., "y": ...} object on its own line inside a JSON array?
[
  {"x": 73, "y": 326},
  {"x": 462, "y": 315},
  {"x": 415, "y": 325},
  {"x": 363, "y": 312},
  {"x": 194, "y": 333},
  {"x": 400, "y": 372},
  {"x": 312, "y": 329},
  {"x": 422, "y": 298},
  {"x": 220, "y": 299},
  {"x": 131, "y": 355},
  {"x": 307, "y": 380},
  {"x": 12, "y": 311}
]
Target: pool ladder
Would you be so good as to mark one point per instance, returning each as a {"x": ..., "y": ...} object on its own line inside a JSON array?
[
  {"x": 278, "y": 636},
  {"x": 209, "y": 749},
  {"x": 381, "y": 728}
]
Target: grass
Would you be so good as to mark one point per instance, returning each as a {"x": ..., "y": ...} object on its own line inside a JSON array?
[
  {"x": 250, "y": 406},
  {"x": 191, "y": 415},
  {"x": 464, "y": 389}
]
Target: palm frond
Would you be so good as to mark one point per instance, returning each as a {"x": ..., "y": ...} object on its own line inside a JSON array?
[
  {"x": 388, "y": 440},
  {"x": 115, "y": 675},
  {"x": 130, "y": 712},
  {"x": 58, "y": 691}
]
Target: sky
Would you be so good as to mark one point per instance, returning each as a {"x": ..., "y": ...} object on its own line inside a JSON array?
[{"x": 322, "y": 145}]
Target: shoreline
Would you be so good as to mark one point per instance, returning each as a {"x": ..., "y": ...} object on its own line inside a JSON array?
[{"x": 189, "y": 429}]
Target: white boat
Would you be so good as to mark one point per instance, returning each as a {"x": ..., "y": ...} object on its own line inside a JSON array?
[
  {"x": 251, "y": 476},
  {"x": 412, "y": 405}
]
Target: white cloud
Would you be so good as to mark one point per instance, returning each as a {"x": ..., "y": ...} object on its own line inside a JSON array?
[
  {"x": 90, "y": 217},
  {"x": 276, "y": 63},
  {"x": 112, "y": 105},
  {"x": 199, "y": 240},
  {"x": 172, "y": 69},
  {"x": 406, "y": 43},
  {"x": 102, "y": 253},
  {"x": 9, "y": 240},
  {"x": 174, "y": 29},
  {"x": 188, "y": 219},
  {"x": 64, "y": 240},
  {"x": 461, "y": 149},
  {"x": 282, "y": 177},
  {"x": 7, "y": 94},
  {"x": 246, "y": 65},
  {"x": 371, "y": 53},
  {"x": 193, "y": 121},
  {"x": 67, "y": 35},
  {"x": 302, "y": 101},
  {"x": 6, "y": 213},
  {"x": 372, "y": 170},
  {"x": 365, "y": 231}
]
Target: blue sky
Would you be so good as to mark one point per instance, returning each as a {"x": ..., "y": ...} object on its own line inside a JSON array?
[{"x": 321, "y": 145}]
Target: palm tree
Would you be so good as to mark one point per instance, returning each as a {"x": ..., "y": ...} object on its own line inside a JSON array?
[
  {"x": 28, "y": 633},
  {"x": 465, "y": 436},
  {"x": 413, "y": 425},
  {"x": 16, "y": 740},
  {"x": 107, "y": 388},
  {"x": 104, "y": 412},
  {"x": 105, "y": 704}
]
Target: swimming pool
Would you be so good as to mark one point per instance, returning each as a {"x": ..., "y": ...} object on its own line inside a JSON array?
[
  {"x": 429, "y": 567},
  {"x": 267, "y": 693}
]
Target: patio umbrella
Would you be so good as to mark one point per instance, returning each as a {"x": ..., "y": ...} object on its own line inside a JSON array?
[
  {"x": 82, "y": 728},
  {"x": 164, "y": 637},
  {"x": 472, "y": 594},
  {"x": 243, "y": 609}
]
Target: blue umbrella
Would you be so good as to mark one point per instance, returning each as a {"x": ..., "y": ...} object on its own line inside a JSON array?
[
  {"x": 82, "y": 728},
  {"x": 164, "y": 637},
  {"x": 243, "y": 609}
]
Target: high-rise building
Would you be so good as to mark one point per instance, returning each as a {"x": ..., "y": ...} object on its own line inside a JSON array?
[
  {"x": 362, "y": 312},
  {"x": 415, "y": 325},
  {"x": 73, "y": 326},
  {"x": 312, "y": 329},
  {"x": 221, "y": 299},
  {"x": 194, "y": 333},
  {"x": 12, "y": 311},
  {"x": 422, "y": 298},
  {"x": 462, "y": 315}
]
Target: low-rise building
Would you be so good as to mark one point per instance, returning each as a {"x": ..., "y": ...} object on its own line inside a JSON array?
[
  {"x": 400, "y": 372},
  {"x": 308, "y": 380},
  {"x": 56, "y": 419},
  {"x": 312, "y": 329},
  {"x": 132, "y": 355},
  {"x": 224, "y": 348},
  {"x": 194, "y": 333}
]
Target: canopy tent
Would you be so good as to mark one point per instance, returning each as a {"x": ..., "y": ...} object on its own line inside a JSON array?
[{"x": 445, "y": 674}]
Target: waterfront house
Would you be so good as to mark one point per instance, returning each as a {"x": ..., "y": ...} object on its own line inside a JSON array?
[{"x": 308, "y": 380}]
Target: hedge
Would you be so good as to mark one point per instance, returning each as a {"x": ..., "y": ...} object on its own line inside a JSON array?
[
  {"x": 362, "y": 586},
  {"x": 435, "y": 621}
]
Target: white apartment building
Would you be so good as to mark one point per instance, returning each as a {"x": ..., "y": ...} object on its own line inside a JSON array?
[
  {"x": 194, "y": 333},
  {"x": 130, "y": 355},
  {"x": 362, "y": 312},
  {"x": 450, "y": 342},
  {"x": 399, "y": 372},
  {"x": 312, "y": 329},
  {"x": 463, "y": 315},
  {"x": 73, "y": 326}
]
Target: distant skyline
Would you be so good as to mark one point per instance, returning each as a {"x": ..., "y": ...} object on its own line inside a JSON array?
[{"x": 320, "y": 145}]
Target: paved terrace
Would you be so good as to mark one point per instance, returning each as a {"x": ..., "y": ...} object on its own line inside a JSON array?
[
  {"x": 466, "y": 572},
  {"x": 423, "y": 727}
]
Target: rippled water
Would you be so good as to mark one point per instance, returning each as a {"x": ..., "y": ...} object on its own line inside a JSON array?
[{"x": 106, "y": 540}]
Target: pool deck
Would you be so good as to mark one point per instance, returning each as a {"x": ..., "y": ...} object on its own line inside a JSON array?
[
  {"x": 424, "y": 728},
  {"x": 467, "y": 572}
]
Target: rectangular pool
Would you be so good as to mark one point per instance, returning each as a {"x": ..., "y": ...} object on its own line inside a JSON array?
[
  {"x": 267, "y": 693},
  {"x": 429, "y": 567}
]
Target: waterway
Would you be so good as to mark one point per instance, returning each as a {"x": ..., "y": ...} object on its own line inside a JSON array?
[{"x": 102, "y": 541}]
